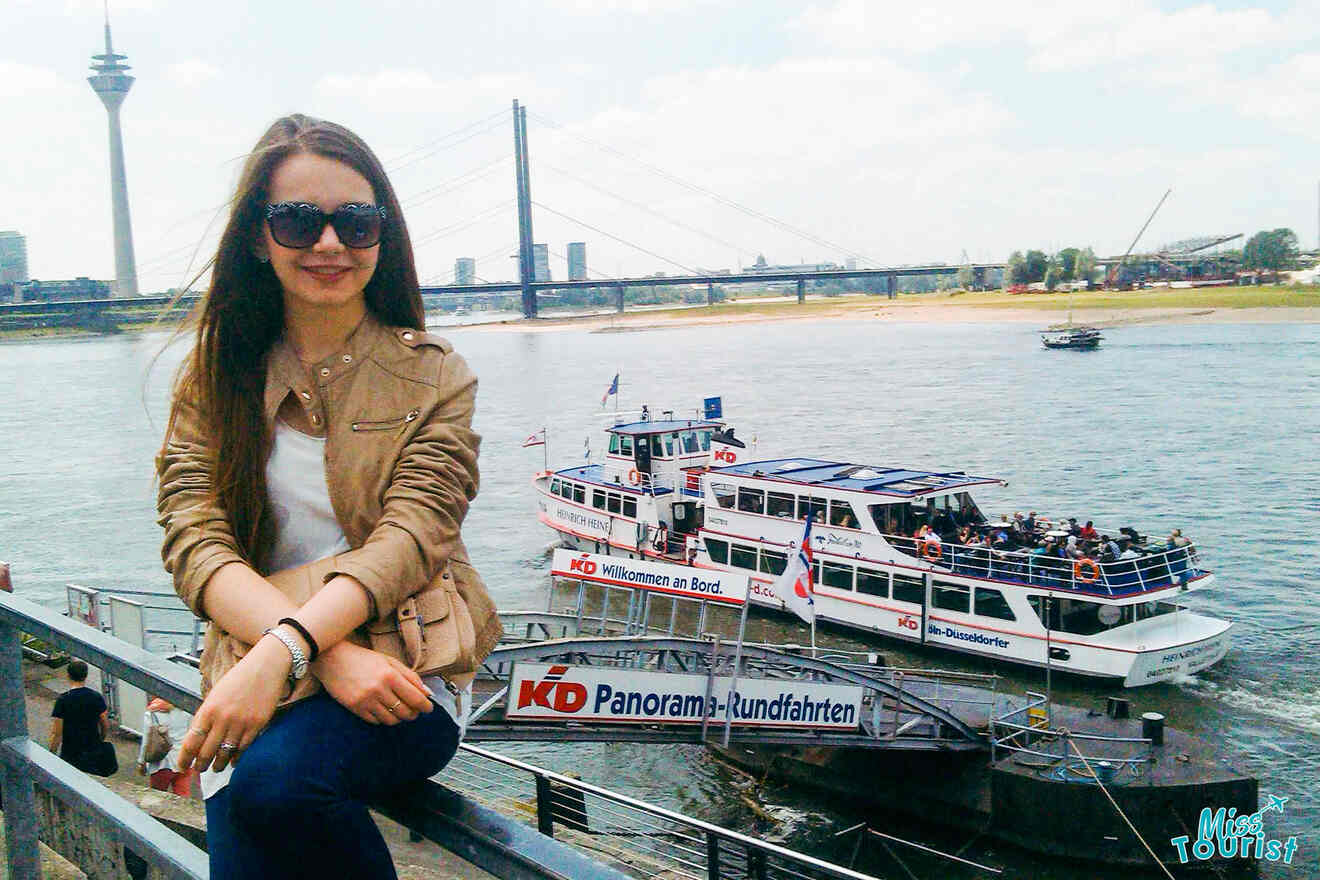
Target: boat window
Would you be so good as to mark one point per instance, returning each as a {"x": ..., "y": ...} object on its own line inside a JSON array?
[
  {"x": 705, "y": 441},
  {"x": 742, "y": 556},
  {"x": 751, "y": 500},
  {"x": 909, "y": 589},
  {"x": 630, "y": 507},
  {"x": 690, "y": 443},
  {"x": 554, "y": 487},
  {"x": 815, "y": 505},
  {"x": 949, "y": 597},
  {"x": 657, "y": 449},
  {"x": 718, "y": 550},
  {"x": 580, "y": 494},
  {"x": 613, "y": 502},
  {"x": 669, "y": 443},
  {"x": 890, "y": 519},
  {"x": 991, "y": 603},
  {"x": 614, "y": 443},
  {"x": 815, "y": 571},
  {"x": 779, "y": 504},
  {"x": 598, "y": 499},
  {"x": 625, "y": 445},
  {"x": 772, "y": 562},
  {"x": 1154, "y": 609},
  {"x": 872, "y": 583},
  {"x": 838, "y": 576},
  {"x": 724, "y": 494},
  {"x": 1078, "y": 617},
  {"x": 841, "y": 514},
  {"x": 566, "y": 489}
]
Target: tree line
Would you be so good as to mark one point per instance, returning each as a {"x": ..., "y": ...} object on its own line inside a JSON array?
[{"x": 1270, "y": 250}]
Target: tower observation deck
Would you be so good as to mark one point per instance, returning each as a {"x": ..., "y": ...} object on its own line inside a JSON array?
[{"x": 111, "y": 85}]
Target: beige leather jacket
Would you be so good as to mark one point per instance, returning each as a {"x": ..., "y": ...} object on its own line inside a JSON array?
[{"x": 401, "y": 465}]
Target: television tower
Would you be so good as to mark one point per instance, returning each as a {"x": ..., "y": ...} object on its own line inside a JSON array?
[{"x": 111, "y": 85}]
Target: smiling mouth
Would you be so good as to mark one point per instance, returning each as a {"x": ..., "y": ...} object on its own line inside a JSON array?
[{"x": 329, "y": 272}]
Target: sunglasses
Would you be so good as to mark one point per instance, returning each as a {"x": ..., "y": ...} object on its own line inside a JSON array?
[{"x": 300, "y": 225}]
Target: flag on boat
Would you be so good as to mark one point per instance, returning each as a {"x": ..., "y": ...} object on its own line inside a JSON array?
[
  {"x": 535, "y": 439},
  {"x": 586, "y": 449},
  {"x": 793, "y": 587},
  {"x": 613, "y": 389}
]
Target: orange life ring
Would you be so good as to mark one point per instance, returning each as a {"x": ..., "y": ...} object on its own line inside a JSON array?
[
  {"x": 931, "y": 549},
  {"x": 634, "y": 476},
  {"x": 1091, "y": 566}
]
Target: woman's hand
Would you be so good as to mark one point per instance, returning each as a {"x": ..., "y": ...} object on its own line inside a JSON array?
[
  {"x": 376, "y": 688},
  {"x": 238, "y": 707}
]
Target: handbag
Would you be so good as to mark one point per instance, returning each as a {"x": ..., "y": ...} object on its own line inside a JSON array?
[
  {"x": 431, "y": 632},
  {"x": 101, "y": 759},
  {"x": 159, "y": 743}
]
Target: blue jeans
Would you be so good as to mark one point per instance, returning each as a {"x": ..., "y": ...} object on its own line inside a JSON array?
[{"x": 296, "y": 805}]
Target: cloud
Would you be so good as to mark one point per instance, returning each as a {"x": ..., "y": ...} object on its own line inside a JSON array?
[
  {"x": 191, "y": 72},
  {"x": 1066, "y": 37},
  {"x": 19, "y": 80},
  {"x": 409, "y": 89},
  {"x": 623, "y": 7}
]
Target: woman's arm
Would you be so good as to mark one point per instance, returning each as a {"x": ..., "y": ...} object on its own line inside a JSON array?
[{"x": 433, "y": 481}]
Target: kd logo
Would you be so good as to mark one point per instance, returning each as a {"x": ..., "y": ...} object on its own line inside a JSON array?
[
  {"x": 725, "y": 455},
  {"x": 551, "y": 693},
  {"x": 582, "y": 564}
]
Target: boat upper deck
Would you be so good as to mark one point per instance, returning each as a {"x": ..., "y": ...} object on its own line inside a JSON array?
[
  {"x": 664, "y": 426},
  {"x": 895, "y": 482}
]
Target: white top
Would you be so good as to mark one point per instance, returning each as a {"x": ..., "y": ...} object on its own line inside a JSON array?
[
  {"x": 306, "y": 529},
  {"x": 176, "y": 722}
]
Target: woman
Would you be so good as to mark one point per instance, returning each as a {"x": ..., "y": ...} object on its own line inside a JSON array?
[
  {"x": 316, "y": 420},
  {"x": 161, "y": 773}
]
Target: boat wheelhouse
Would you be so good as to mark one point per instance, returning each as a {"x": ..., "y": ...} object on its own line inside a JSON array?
[{"x": 906, "y": 553}]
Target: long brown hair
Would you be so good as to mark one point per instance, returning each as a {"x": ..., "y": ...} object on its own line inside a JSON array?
[{"x": 241, "y": 316}]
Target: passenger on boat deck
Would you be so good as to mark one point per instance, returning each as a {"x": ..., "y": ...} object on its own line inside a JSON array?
[
  {"x": 1030, "y": 522},
  {"x": 1109, "y": 548},
  {"x": 1019, "y": 524},
  {"x": 965, "y": 535},
  {"x": 999, "y": 539},
  {"x": 1176, "y": 539},
  {"x": 1072, "y": 550},
  {"x": 1088, "y": 532},
  {"x": 1129, "y": 552},
  {"x": 1073, "y": 527}
]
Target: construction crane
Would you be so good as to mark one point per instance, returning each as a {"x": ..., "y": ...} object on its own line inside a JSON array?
[{"x": 1113, "y": 272}]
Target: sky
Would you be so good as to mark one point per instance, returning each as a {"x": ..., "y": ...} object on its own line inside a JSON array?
[{"x": 676, "y": 135}]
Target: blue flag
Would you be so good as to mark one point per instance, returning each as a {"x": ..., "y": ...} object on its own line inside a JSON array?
[{"x": 613, "y": 389}]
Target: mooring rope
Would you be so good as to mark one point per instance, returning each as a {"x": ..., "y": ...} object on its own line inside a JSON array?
[{"x": 1115, "y": 805}]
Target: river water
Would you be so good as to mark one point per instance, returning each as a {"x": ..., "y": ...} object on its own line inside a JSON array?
[{"x": 1208, "y": 428}]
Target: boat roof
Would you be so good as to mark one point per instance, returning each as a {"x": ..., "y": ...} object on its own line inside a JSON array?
[
  {"x": 858, "y": 477},
  {"x": 663, "y": 426}
]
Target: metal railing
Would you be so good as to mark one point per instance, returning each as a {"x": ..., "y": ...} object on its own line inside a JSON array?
[
  {"x": 491, "y": 841},
  {"x": 1171, "y": 566},
  {"x": 642, "y": 840},
  {"x": 1058, "y": 748}
]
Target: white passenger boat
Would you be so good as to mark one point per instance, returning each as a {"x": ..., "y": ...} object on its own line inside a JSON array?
[{"x": 683, "y": 491}]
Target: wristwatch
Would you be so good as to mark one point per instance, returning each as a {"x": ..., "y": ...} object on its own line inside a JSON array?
[{"x": 298, "y": 671}]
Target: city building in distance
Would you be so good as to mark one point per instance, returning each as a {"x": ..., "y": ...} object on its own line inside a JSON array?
[
  {"x": 540, "y": 262},
  {"x": 13, "y": 257},
  {"x": 577, "y": 261},
  {"x": 465, "y": 270},
  {"x": 80, "y": 288}
]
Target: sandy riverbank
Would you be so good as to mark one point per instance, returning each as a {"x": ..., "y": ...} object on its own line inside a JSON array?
[{"x": 1140, "y": 307}]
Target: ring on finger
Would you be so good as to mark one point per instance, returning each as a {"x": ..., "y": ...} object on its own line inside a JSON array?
[
  {"x": 228, "y": 747},
  {"x": 198, "y": 731},
  {"x": 396, "y": 705}
]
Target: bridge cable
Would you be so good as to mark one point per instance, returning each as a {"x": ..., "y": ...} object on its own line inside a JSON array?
[
  {"x": 454, "y": 183},
  {"x": 405, "y": 159},
  {"x": 622, "y": 241},
  {"x": 445, "y": 231},
  {"x": 627, "y": 201},
  {"x": 709, "y": 193}
]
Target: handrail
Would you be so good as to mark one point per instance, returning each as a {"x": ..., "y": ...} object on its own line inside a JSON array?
[
  {"x": 1169, "y": 567},
  {"x": 489, "y": 840}
]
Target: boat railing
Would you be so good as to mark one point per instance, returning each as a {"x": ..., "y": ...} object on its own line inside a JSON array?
[
  {"x": 1172, "y": 566},
  {"x": 1027, "y": 731}
]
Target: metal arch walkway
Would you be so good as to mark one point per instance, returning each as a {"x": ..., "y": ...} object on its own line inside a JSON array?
[{"x": 905, "y": 711}]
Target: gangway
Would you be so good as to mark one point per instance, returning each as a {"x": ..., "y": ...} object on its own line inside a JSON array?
[{"x": 898, "y": 709}]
